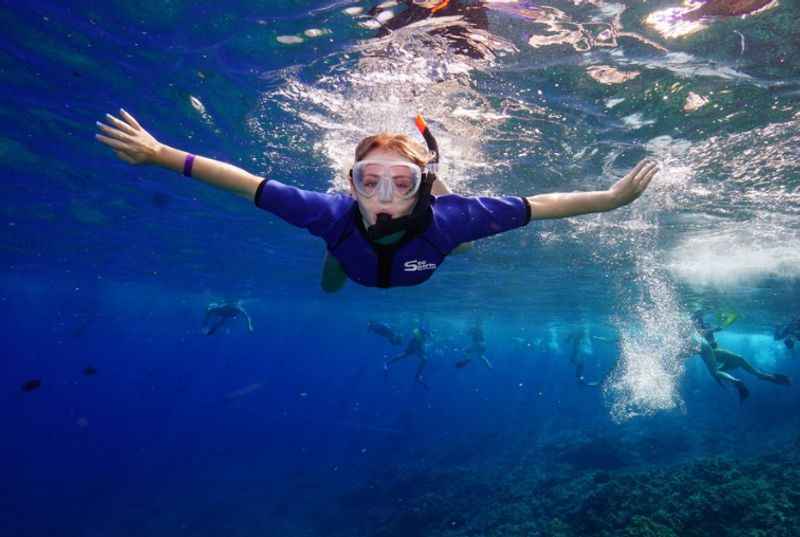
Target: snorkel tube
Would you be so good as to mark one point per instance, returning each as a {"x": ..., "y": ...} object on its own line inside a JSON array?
[
  {"x": 432, "y": 6},
  {"x": 419, "y": 218}
]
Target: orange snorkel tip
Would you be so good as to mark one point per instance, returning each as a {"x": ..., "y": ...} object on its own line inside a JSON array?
[
  {"x": 430, "y": 141},
  {"x": 421, "y": 125},
  {"x": 440, "y": 6}
]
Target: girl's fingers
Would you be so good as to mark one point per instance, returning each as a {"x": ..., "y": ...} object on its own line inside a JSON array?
[
  {"x": 638, "y": 168},
  {"x": 648, "y": 165},
  {"x": 114, "y": 133},
  {"x": 116, "y": 144},
  {"x": 129, "y": 118},
  {"x": 121, "y": 125},
  {"x": 645, "y": 182},
  {"x": 648, "y": 171}
]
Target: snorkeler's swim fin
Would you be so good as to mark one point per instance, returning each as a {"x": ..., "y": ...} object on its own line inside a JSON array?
[
  {"x": 777, "y": 378},
  {"x": 744, "y": 393},
  {"x": 726, "y": 318}
]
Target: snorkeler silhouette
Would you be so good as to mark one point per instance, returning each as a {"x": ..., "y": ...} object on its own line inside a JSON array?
[
  {"x": 477, "y": 348},
  {"x": 417, "y": 346},
  {"x": 217, "y": 313},
  {"x": 789, "y": 333},
  {"x": 576, "y": 358},
  {"x": 720, "y": 362}
]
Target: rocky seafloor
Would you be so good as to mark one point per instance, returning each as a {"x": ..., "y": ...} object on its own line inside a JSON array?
[{"x": 723, "y": 496}]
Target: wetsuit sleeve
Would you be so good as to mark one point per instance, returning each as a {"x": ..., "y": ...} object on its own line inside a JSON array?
[
  {"x": 469, "y": 219},
  {"x": 315, "y": 211}
]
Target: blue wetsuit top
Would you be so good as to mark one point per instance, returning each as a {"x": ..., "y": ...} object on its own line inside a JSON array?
[{"x": 337, "y": 220}]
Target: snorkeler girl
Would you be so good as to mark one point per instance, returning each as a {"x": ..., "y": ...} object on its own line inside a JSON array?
[{"x": 398, "y": 223}]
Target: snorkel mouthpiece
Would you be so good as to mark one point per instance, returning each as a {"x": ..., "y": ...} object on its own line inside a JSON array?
[{"x": 420, "y": 216}]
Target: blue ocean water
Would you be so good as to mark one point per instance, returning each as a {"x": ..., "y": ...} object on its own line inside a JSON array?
[{"x": 143, "y": 425}]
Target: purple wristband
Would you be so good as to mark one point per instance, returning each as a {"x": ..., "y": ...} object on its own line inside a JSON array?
[{"x": 187, "y": 165}]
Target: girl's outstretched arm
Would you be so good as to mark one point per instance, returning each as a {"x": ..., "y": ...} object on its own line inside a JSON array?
[
  {"x": 624, "y": 191},
  {"x": 135, "y": 145}
]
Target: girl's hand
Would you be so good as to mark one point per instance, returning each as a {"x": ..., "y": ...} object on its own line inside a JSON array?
[
  {"x": 633, "y": 184},
  {"x": 128, "y": 139}
]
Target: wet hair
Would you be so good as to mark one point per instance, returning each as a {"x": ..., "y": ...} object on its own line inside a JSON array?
[{"x": 399, "y": 143}]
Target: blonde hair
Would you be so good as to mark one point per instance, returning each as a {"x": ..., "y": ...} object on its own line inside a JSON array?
[{"x": 399, "y": 143}]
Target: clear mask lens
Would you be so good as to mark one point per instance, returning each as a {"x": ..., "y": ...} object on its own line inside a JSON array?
[{"x": 388, "y": 180}]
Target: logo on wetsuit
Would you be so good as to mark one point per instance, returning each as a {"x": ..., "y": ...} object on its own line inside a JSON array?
[{"x": 416, "y": 265}]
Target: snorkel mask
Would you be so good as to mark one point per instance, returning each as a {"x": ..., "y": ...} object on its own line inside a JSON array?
[{"x": 386, "y": 179}]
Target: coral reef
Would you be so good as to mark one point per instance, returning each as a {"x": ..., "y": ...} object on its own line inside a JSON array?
[{"x": 720, "y": 496}]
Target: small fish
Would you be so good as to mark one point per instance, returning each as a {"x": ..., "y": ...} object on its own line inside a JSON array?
[
  {"x": 289, "y": 39},
  {"x": 89, "y": 371},
  {"x": 197, "y": 104},
  {"x": 370, "y": 24},
  {"x": 30, "y": 385},
  {"x": 241, "y": 392},
  {"x": 463, "y": 363},
  {"x": 316, "y": 32}
]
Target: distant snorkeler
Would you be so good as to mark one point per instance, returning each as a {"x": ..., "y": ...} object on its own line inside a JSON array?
[
  {"x": 398, "y": 223},
  {"x": 577, "y": 358},
  {"x": 789, "y": 333},
  {"x": 218, "y": 313},
  {"x": 726, "y": 8},
  {"x": 384, "y": 331},
  {"x": 477, "y": 348},
  {"x": 417, "y": 346},
  {"x": 465, "y": 31},
  {"x": 720, "y": 363}
]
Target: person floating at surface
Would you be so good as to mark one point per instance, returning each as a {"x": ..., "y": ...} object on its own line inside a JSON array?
[
  {"x": 465, "y": 31},
  {"x": 395, "y": 229},
  {"x": 217, "y": 313},
  {"x": 384, "y": 331},
  {"x": 417, "y": 346},
  {"x": 476, "y": 348},
  {"x": 726, "y": 8},
  {"x": 789, "y": 333}
]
